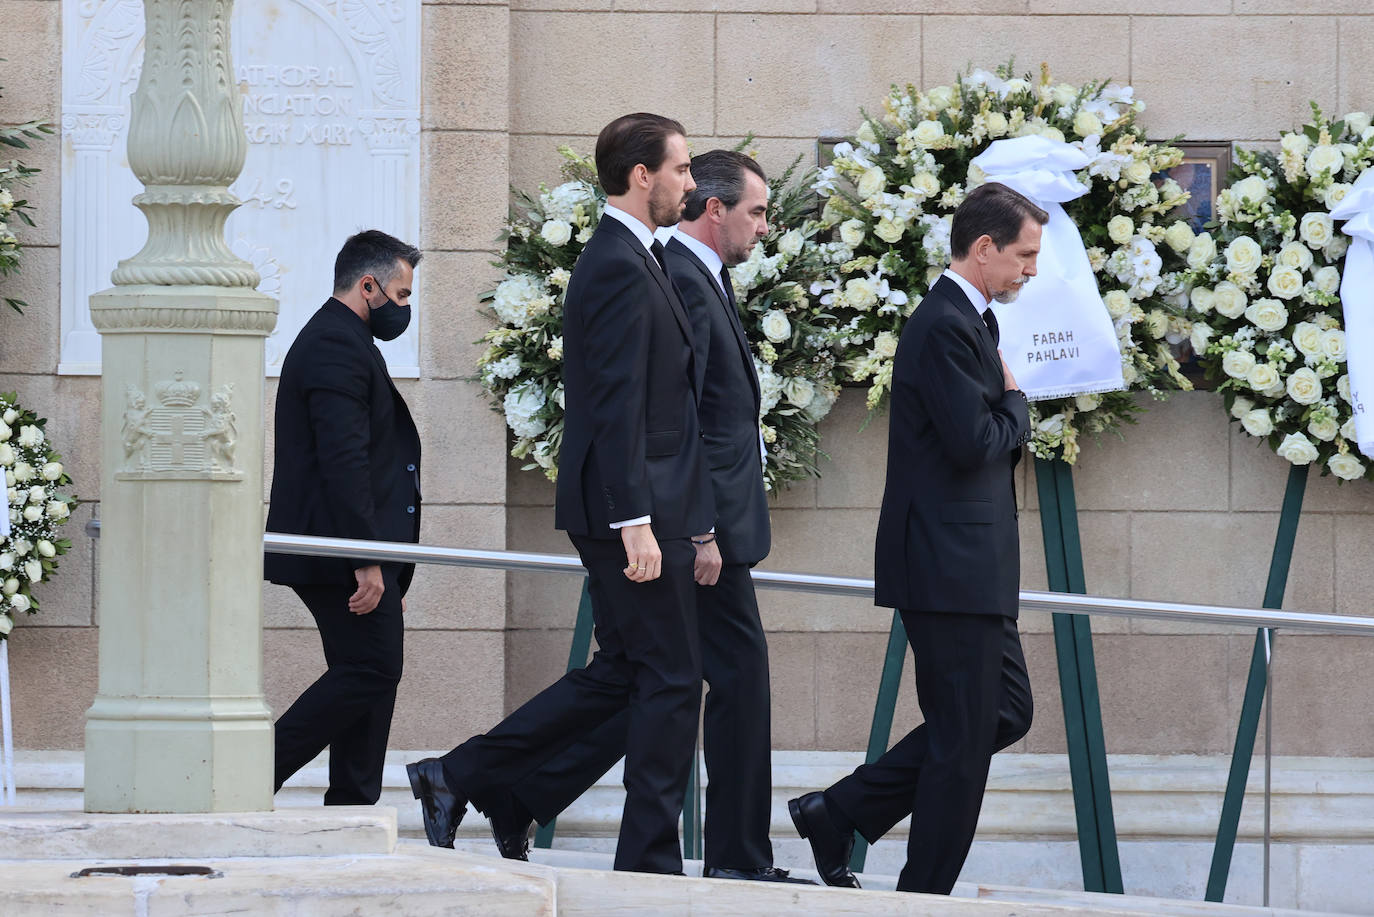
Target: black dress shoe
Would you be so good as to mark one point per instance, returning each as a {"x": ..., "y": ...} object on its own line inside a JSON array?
[
  {"x": 511, "y": 827},
  {"x": 760, "y": 874},
  {"x": 441, "y": 808},
  {"x": 829, "y": 845}
]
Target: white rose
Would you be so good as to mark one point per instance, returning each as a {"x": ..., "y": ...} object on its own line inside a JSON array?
[
  {"x": 33, "y": 569},
  {"x": 521, "y": 404},
  {"x": 11, "y": 586},
  {"x": 1298, "y": 449},
  {"x": 37, "y": 494},
  {"x": 33, "y": 513},
  {"x": 58, "y": 510},
  {"x": 1137, "y": 173},
  {"x": 1357, "y": 122},
  {"x": 1335, "y": 249},
  {"x": 1343, "y": 388},
  {"x": 5, "y": 432},
  {"x": 1179, "y": 236},
  {"x": 1200, "y": 337},
  {"x": 6, "y": 454},
  {"x": 1285, "y": 282},
  {"x": 21, "y": 546},
  {"x": 1120, "y": 229},
  {"x": 46, "y": 548},
  {"x": 1333, "y": 344},
  {"x": 1085, "y": 403},
  {"x": 1117, "y": 303},
  {"x": 872, "y": 182},
  {"x": 1086, "y": 124},
  {"x": 861, "y": 293},
  {"x": 1304, "y": 387},
  {"x": 1229, "y": 299},
  {"x": 791, "y": 243},
  {"x": 1252, "y": 189},
  {"x": 889, "y": 230},
  {"x": 1050, "y": 426},
  {"x": 1324, "y": 158},
  {"x": 1307, "y": 337},
  {"x": 20, "y": 603},
  {"x": 30, "y": 436},
  {"x": 1157, "y": 323},
  {"x": 1262, "y": 376},
  {"x": 7, "y": 560},
  {"x": 1324, "y": 429},
  {"x": 10, "y": 415},
  {"x": 1295, "y": 255},
  {"x": 1257, "y": 422},
  {"x": 1327, "y": 279},
  {"x": 997, "y": 124},
  {"x": 1241, "y": 406},
  {"x": 1267, "y": 314},
  {"x": 775, "y": 326},
  {"x": 52, "y": 471},
  {"x": 1335, "y": 193},
  {"x": 1345, "y": 466},
  {"x": 852, "y": 233},
  {"x": 866, "y": 134},
  {"x": 1238, "y": 363},
  {"x": 885, "y": 345},
  {"x": 1243, "y": 256},
  {"x": 556, "y": 232},
  {"x": 798, "y": 391},
  {"x": 928, "y": 133},
  {"x": 6, "y": 623},
  {"x": 1296, "y": 144},
  {"x": 1316, "y": 228},
  {"x": 1202, "y": 251},
  {"x": 1348, "y": 430}
]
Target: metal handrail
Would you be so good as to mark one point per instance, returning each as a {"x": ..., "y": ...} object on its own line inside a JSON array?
[{"x": 842, "y": 586}]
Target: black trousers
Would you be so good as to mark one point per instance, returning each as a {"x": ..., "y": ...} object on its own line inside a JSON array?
[
  {"x": 647, "y": 666},
  {"x": 348, "y": 709},
  {"x": 737, "y": 731},
  {"x": 974, "y": 693}
]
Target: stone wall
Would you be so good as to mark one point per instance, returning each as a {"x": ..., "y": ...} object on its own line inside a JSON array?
[{"x": 1183, "y": 509}]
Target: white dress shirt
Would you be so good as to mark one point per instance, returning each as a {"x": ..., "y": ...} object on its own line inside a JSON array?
[{"x": 979, "y": 301}]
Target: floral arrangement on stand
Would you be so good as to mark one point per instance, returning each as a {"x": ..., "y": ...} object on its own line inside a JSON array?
[
  {"x": 891, "y": 193},
  {"x": 33, "y": 474},
  {"x": 521, "y": 368},
  {"x": 1266, "y": 308},
  {"x": 13, "y": 174}
]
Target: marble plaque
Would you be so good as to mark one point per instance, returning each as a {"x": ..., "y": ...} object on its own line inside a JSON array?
[{"x": 331, "y": 97}]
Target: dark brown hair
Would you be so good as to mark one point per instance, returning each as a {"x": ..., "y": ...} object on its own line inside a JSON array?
[
  {"x": 991, "y": 210},
  {"x": 719, "y": 174},
  {"x": 628, "y": 141}
]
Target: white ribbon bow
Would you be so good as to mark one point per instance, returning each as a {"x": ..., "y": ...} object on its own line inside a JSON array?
[
  {"x": 1057, "y": 337},
  {"x": 1357, "y": 300}
]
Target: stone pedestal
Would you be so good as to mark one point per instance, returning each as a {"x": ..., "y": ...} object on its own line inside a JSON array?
[{"x": 180, "y": 723}]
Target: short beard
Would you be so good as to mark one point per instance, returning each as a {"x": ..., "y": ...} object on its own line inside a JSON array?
[
  {"x": 666, "y": 214},
  {"x": 1007, "y": 296}
]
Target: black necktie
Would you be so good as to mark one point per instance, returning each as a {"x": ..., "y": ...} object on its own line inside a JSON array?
[
  {"x": 729, "y": 287},
  {"x": 657, "y": 249},
  {"x": 991, "y": 319}
]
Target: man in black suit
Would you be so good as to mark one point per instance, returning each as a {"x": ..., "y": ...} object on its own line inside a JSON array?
[
  {"x": 725, "y": 216},
  {"x": 948, "y": 558},
  {"x": 347, "y": 465},
  {"x": 633, "y": 493}
]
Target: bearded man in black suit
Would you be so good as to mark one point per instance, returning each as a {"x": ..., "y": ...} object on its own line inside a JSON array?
[
  {"x": 633, "y": 493},
  {"x": 948, "y": 558},
  {"x": 347, "y": 465}
]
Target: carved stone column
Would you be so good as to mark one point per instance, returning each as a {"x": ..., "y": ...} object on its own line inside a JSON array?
[{"x": 180, "y": 723}]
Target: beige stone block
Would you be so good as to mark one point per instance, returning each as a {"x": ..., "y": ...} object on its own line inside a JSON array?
[
  {"x": 561, "y": 88},
  {"x": 717, "y": 6},
  {"x": 459, "y": 598},
  {"x": 292, "y": 660},
  {"x": 1130, "y": 8},
  {"x": 797, "y": 495},
  {"x": 282, "y": 608},
  {"x": 1047, "y": 721},
  {"x": 1078, "y": 48},
  {"x": 1259, "y": 479},
  {"x": 575, "y": 6},
  {"x": 1308, "y": 8},
  {"x": 465, "y": 176},
  {"x": 72, "y": 406},
  {"x": 527, "y": 488},
  {"x": 454, "y": 687},
  {"x": 534, "y": 158},
  {"x": 1106, "y": 541},
  {"x": 792, "y": 661},
  {"x": 1322, "y": 695},
  {"x": 30, "y": 76},
  {"x": 849, "y": 669},
  {"x": 535, "y": 659},
  {"x": 834, "y": 65},
  {"x": 43, "y": 192},
  {"x": 1174, "y": 458},
  {"x": 810, "y": 613},
  {"x": 975, "y": 7},
  {"x": 1357, "y": 59},
  {"x": 856, "y": 472},
  {"x": 452, "y": 316},
  {"x": 1165, "y": 694},
  {"x": 31, "y": 340},
  {"x": 836, "y": 542},
  {"x": 464, "y": 443},
  {"x": 1274, "y": 66},
  {"x": 67, "y": 599},
  {"x": 540, "y": 600},
  {"x": 466, "y": 59},
  {"x": 52, "y": 682},
  {"x": 1354, "y": 573},
  {"x": 1223, "y": 559}
]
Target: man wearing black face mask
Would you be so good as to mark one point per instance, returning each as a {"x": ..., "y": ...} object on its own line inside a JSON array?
[{"x": 347, "y": 465}]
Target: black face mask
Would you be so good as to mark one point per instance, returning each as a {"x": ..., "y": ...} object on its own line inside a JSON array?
[{"x": 388, "y": 321}]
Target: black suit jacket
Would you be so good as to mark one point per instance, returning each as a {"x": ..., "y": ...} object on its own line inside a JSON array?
[
  {"x": 631, "y": 441},
  {"x": 729, "y": 412},
  {"x": 347, "y": 459},
  {"x": 947, "y": 533}
]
